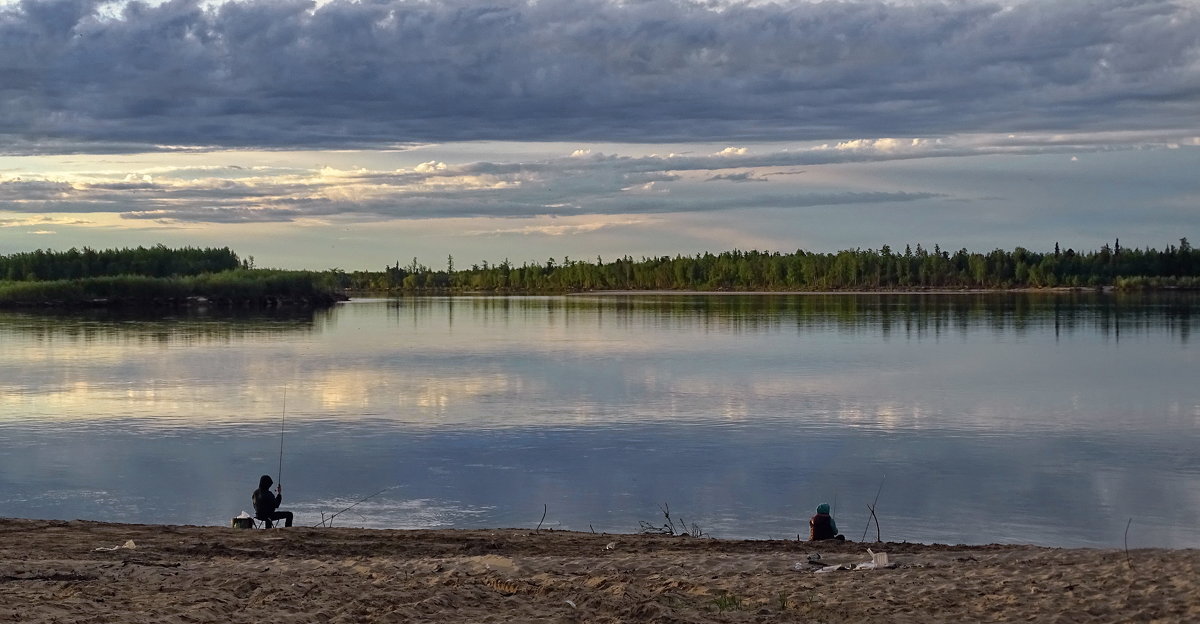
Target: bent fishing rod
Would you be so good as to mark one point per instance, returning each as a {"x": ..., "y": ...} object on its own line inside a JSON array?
[{"x": 324, "y": 521}]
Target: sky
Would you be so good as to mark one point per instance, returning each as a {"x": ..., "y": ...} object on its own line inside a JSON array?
[{"x": 355, "y": 135}]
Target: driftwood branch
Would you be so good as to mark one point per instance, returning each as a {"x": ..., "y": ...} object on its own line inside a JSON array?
[
  {"x": 669, "y": 527},
  {"x": 666, "y": 509},
  {"x": 651, "y": 529},
  {"x": 545, "y": 508}
]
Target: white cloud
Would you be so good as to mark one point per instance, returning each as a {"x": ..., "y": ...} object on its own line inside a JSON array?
[
  {"x": 43, "y": 220},
  {"x": 562, "y": 229},
  {"x": 430, "y": 167},
  {"x": 880, "y": 145}
]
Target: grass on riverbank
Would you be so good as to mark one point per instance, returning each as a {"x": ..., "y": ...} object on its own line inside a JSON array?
[{"x": 242, "y": 286}]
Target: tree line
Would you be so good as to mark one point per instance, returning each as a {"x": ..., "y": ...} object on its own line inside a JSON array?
[
  {"x": 915, "y": 268},
  {"x": 156, "y": 261},
  {"x": 155, "y": 276}
]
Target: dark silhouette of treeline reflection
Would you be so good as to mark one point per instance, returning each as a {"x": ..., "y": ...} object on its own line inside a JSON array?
[
  {"x": 918, "y": 315},
  {"x": 154, "y": 326}
]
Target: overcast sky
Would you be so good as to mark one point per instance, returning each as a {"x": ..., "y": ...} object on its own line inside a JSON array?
[{"x": 355, "y": 134}]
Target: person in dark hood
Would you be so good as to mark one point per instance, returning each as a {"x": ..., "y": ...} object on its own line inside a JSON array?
[
  {"x": 266, "y": 504},
  {"x": 822, "y": 527}
]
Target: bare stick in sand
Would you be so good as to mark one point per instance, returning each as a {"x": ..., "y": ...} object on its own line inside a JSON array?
[
  {"x": 1127, "y": 559},
  {"x": 545, "y": 508},
  {"x": 878, "y": 538},
  {"x": 872, "y": 508}
]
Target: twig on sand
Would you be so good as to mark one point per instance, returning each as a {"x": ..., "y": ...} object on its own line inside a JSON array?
[
  {"x": 666, "y": 529},
  {"x": 666, "y": 509},
  {"x": 669, "y": 527},
  {"x": 650, "y": 529},
  {"x": 545, "y": 508}
]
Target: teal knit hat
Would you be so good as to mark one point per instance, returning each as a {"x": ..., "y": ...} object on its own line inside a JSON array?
[{"x": 823, "y": 508}]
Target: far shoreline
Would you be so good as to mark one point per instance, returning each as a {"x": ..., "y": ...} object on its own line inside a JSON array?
[
  {"x": 940, "y": 291},
  {"x": 1057, "y": 290}
]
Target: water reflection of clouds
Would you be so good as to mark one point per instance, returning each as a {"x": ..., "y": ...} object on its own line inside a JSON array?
[
  {"x": 391, "y": 393},
  {"x": 949, "y": 393},
  {"x": 389, "y": 514},
  {"x": 815, "y": 361}
]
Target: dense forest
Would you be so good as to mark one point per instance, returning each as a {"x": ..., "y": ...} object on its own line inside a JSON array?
[
  {"x": 157, "y": 261},
  {"x": 163, "y": 276},
  {"x": 886, "y": 269},
  {"x": 155, "y": 276}
]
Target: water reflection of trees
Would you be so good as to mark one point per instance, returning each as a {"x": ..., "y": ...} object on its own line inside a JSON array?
[
  {"x": 917, "y": 315},
  {"x": 184, "y": 325}
]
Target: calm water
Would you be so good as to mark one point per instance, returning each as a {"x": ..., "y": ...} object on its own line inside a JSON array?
[{"x": 976, "y": 418}]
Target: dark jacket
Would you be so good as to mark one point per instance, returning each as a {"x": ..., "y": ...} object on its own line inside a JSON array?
[
  {"x": 821, "y": 527},
  {"x": 265, "y": 503}
]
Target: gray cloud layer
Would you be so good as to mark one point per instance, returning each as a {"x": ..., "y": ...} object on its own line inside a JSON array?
[
  {"x": 288, "y": 74},
  {"x": 583, "y": 184}
]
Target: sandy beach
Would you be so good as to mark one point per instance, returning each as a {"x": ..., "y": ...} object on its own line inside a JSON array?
[{"x": 55, "y": 571}]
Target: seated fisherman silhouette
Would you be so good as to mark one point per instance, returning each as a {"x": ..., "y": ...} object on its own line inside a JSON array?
[
  {"x": 822, "y": 527},
  {"x": 266, "y": 504}
]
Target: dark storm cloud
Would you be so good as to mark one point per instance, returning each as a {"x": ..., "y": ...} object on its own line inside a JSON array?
[
  {"x": 289, "y": 74},
  {"x": 208, "y": 214},
  {"x": 32, "y": 190}
]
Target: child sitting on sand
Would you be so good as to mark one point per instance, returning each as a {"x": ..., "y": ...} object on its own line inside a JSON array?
[{"x": 822, "y": 526}]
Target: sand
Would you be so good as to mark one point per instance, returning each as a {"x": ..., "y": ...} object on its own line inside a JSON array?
[{"x": 51, "y": 571}]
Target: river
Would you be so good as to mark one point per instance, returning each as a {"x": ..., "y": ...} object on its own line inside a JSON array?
[{"x": 1057, "y": 419}]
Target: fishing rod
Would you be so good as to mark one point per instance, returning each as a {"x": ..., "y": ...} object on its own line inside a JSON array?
[
  {"x": 356, "y": 504},
  {"x": 282, "y": 424}
]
